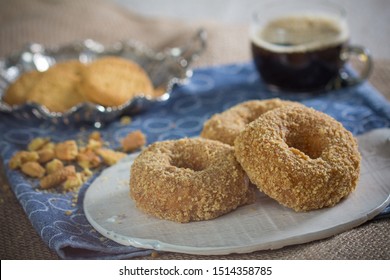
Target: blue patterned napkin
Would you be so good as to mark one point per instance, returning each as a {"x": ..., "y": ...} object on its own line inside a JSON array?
[{"x": 61, "y": 222}]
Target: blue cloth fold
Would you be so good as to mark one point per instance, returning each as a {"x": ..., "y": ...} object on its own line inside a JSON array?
[{"x": 60, "y": 220}]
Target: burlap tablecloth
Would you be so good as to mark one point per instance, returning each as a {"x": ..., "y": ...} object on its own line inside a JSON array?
[{"x": 60, "y": 22}]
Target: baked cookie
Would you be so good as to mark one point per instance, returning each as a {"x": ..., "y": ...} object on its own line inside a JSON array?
[
  {"x": 17, "y": 92},
  {"x": 112, "y": 81},
  {"x": 58, "y": 88}
]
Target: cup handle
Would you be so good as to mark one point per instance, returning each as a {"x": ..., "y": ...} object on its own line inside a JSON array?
[{"x": 363, "y": 55}]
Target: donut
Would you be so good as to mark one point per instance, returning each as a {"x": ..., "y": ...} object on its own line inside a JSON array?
[
  {"x": 302, "y": 158},
  {"x": 188, "y": 180},
  {"x": 225, "y": 126}
]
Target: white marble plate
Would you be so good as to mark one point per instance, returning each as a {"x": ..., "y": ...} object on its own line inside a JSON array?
[{"x": 262, "y": 225}]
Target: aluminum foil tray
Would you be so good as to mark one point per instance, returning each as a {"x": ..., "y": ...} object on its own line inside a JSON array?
[{"x": 166, "y": 69}]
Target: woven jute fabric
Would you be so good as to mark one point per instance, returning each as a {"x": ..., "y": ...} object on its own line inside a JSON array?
[{"x": 60, "y": 22}]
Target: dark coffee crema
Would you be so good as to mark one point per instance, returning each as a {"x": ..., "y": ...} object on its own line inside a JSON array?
[{"x": 300, "y": 52}]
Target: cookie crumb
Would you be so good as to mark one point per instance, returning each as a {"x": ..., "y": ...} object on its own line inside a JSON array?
[
  {"x": 110, "y": 157},
  {"x": 33, "y": 169},
  {"x": 125, "y": 120},
  {"x": 66, "y": 150},
  {"x": 68, "y": 212},
  {"x": 54, "y": 179},
  {"x": 133, "y": 141}
]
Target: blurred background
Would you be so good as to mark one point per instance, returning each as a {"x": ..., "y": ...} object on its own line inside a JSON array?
[
  {"x": 368, "y": 20},
  {"x": 57, "y": 22},
  {"x": 171, "y": 23}
]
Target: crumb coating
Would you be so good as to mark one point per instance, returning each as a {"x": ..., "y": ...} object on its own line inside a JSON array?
[
  {"x": 226, "y": 126},
  {"x": 300, "y": 157},
  {"x": 188, "y": 180}
]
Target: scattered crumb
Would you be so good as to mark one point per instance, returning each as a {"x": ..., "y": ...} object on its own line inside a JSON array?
[
  {"x": 37, "y": 143},
  {"x": 125, "y": 120},
  {"x": 133, "y": 141},
  {"x": 65, "y": 166},
  {"x": 67, "y": 150},
  {"x": 21, "y": 157},
  {"x": 68, "y": 212},
  {"x": 53, "y": 166},
  {"x": 45, "y": 155},
  {"x": 33, "y": 169},
  {"x": 60, "y": 176},
  {"x": 95, "y": 136},
  {"x": 110, "y": 157},
  {"x": 87, "y": 158},
  {"x": 73, "y": 182}
]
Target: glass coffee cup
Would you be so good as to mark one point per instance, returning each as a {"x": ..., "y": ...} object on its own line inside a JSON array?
[{"x": 303, "y": 46}]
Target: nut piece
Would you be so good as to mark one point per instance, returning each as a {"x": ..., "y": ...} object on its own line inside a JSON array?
[
  {"x": 95, "y": 141},
  {"x": 37, "y": 143},
  {"x": 73, "y": 182},
  {"x": 110, "y": 157},
  {"x": 125, "y": 120},
  {"x": 33, "y": 169},
  {"x": 88, "y": 159},
  {"x": 58, "y": 177},
  {"x": 86, "y": 173},
  {"x": 22, "y": 157},
  {"x": 67, "y": 150},
  {"x": 49, "y": 146},
  {"x": 53, "y": 166},
  {"x": 133, "y": 141},
  {"x": 45, "y": 155},
  {"x": 94, "y": 144},
  {"x": 96, "y": 136}
]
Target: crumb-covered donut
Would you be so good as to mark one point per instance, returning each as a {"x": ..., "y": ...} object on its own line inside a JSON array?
[
  {"x": 300, "y": 157},
  {"x": 225, "y": 126},
  {"x": 188, "y": 180}
]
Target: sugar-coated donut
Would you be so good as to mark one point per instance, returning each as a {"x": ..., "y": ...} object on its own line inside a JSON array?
[
  {"x": 225, "y": 126},
  {"x": 300, "y": 157},
  {"x": 188, "y": 180}
]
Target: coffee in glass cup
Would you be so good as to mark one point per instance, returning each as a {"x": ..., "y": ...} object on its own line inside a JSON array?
[{"x": 303, "y": 46}]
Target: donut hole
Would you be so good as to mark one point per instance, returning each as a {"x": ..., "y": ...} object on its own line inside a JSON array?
[
  {"x": 312, "y": 145},
  {"x": 192, "y": 164},
  {"x": 189, "y": 157}
]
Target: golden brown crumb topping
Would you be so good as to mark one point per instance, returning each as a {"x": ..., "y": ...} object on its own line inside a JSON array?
[
  {"x": 303, "y": 158},
  {"x": 188, "y": 180},
  {"x": 226, "y": 126}
]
